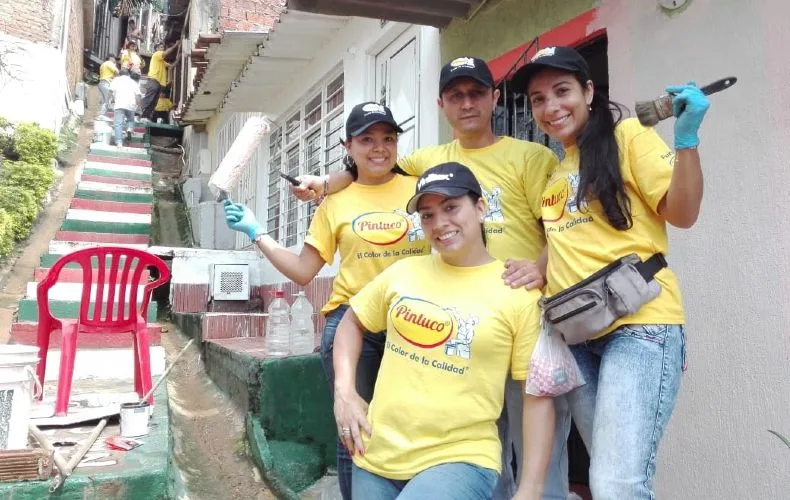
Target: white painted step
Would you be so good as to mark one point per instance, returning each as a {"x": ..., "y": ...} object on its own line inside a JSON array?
[
  {"x": 115, "y": 167},
  {"x": 59, "y": 247},
  {"x": 104, "y": 363},
  {"x": 98, "y": 216},
  {"x": 73, "y": 291},
  {"x": 113, "y": 188}
]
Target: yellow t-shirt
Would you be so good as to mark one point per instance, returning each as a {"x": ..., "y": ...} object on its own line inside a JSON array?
[
  {"x": 131, "y": 60},
  {"x": 158, "y": 68},
  {"x": 108, "y": 71},
  {"x": 370, "y": 228},
  {"x": 581, "y": 241},
  {"x": 163, "y": 104},
  {"x": 512, "y": 174},
  {"x": 453, "y": 333}
]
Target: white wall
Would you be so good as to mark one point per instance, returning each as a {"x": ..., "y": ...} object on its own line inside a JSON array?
[
  {"x": 37, "y": 92},
  {"x": 733, "y": 265}
]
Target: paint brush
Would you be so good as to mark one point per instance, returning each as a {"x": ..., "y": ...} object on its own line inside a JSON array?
[{"x": 652, "y": 112}]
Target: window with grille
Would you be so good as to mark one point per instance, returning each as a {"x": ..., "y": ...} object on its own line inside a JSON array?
[{"x": 305, "y": 141}]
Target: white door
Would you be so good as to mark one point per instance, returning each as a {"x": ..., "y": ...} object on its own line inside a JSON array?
[{"x": 397, "y": 81}]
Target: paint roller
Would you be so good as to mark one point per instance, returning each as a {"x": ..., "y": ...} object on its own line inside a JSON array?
[{"x": 237, "y": 159}]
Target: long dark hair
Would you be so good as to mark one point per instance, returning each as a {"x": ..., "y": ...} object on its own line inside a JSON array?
[{"x": 599, "y": 161}]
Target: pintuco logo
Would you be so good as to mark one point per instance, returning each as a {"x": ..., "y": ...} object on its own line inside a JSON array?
[
  {"x": 554, "y": 199},
  {"x": 422, "y": 323},
  {"x": 381, "y": 228}
]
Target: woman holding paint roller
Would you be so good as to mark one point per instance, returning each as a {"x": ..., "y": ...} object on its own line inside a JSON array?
[
  {"x": 366, "y": 225},
  {"x": 612, "y": 195}
]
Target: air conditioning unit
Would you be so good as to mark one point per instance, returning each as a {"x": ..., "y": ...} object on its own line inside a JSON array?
[{"x": 230, "y": 282}]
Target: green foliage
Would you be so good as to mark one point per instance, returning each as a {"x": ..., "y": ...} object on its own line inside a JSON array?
[
  {"x": 22, "y": 206},
  {"x": 6, "y": 233},
  {"x": 35, "y": 144},
  {"x": 23, "y": 183},
  {"x": 33, "y": 177}
]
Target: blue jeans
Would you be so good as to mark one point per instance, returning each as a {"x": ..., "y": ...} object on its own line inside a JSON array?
[
  {"x": 104, "y": 92},
  {"x": 450, "y": 481},
  {"x": 633, "y": 376},
  {"x": 367, "y": 370},
  {"x": 120, "y": 119}
]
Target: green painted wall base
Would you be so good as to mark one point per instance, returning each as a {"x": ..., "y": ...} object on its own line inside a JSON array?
[
  {"x": 143, "y": 473},
  {"x": 28, "y": 309},
  {"x": 290, "y": 425}
]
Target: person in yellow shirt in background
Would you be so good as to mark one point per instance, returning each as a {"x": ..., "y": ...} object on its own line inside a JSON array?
[
  {"x": 130, "y": 59},
  {"x": 157, "y": 79},
  {"x": 366, "y": 225},
  {"x": 513, "y": 174},
  {"x": 612, "y": 195},
  {"x": 163, "y": 106},
  {"x": 454, "y": 332},
  {"x": 107, "y": 71}
]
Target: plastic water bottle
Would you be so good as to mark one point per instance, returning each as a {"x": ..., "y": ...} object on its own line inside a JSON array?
[
  {"x": 302, "y": 329},
  {"x": 278, "y": 326}
]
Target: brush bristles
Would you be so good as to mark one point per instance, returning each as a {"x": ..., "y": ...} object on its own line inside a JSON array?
[{"x": 652, "y": 112}]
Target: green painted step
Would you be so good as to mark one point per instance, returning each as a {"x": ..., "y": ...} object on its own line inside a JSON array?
[
  {"x": 87, "y": 226},
  {"x": 117, "y": 174},
  {"x": 28, "y": 309},
  {"x": 90, "y": 194},
  {"x": 49, "y": 259},
  {"x": 137, "y": 155}
]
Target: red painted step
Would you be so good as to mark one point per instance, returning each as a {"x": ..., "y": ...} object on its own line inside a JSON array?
[
  {"x": 68, "y": 275},
  {"x": 25, "y": 333},
  {"x": 140, "y": 239},
  {"x": 116, "y": 180},
  {"x": 112, "y": 206},
  {"x": 120, "y": 161}
]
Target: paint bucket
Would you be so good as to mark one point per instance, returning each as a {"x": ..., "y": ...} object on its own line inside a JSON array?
[
  {"x": 18, "y": 386},
  {"x": 134, "y": 419}
]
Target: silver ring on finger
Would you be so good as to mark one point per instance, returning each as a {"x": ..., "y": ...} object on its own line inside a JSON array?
[{"x": 346, "y": 430}]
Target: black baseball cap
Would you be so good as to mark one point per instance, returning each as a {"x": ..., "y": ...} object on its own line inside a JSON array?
[
  {"x": 365, "y": 115},
  {"x": 447, "y": 179},
  {"x": 561, "y": 58},
  {"x": 465, "y": 67}
]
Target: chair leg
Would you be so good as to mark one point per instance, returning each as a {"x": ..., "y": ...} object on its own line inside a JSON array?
[
  {"x": 143, "y": 361},
  {"x": 68, "y": 350},
  {"x": 42, "y": 339},
  {"x": 136, "y": 352}
]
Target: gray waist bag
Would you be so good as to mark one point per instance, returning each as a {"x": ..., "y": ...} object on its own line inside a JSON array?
[{"x": 590, "y": 306}]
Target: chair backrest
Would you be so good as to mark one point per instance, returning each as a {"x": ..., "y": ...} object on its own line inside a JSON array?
[{"x": 119, "y": 289}]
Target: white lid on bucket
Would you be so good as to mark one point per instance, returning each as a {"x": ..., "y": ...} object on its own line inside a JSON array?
[{"x": 14, "y": 354}]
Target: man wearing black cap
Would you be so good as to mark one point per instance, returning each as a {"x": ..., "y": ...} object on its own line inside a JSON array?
[{"x": 512, "y": 173}]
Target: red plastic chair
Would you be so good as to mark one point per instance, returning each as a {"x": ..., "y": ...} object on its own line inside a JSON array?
[{"x": 117, "y": 279}]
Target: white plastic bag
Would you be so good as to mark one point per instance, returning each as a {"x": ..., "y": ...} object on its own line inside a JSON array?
[{"x": 552, "y": 370}]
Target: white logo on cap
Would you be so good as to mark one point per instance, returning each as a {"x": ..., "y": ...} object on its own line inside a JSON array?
[
  {"x": 545, "y": 52},
  {"x": 433, "y": 178},
  {"x": 374, "y": 108},
  {"x": 465, "y": 62}
]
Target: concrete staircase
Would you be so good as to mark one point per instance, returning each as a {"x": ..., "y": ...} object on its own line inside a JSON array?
[{"x": 112, "y": 205}]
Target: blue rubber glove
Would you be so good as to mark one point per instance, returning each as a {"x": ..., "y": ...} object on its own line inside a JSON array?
[
  {"x": 689, "y": 105},
  {"x": 241, "y": 218}
]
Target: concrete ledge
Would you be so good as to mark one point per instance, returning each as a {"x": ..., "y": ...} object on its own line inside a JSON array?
[{"x": 145, "y": 472}]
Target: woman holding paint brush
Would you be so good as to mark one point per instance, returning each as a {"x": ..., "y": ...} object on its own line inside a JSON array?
[
  {"x": 612, "y": 195},
  {"x": 366, "y": 225}
]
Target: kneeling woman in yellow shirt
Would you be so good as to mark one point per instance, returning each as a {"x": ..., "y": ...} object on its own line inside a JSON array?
[
  {"x": 454, "y": 329},
  {"x": 366, "y": 225}
]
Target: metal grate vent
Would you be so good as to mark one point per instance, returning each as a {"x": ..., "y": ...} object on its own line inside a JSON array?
[{"x": 230, "y": 282}]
